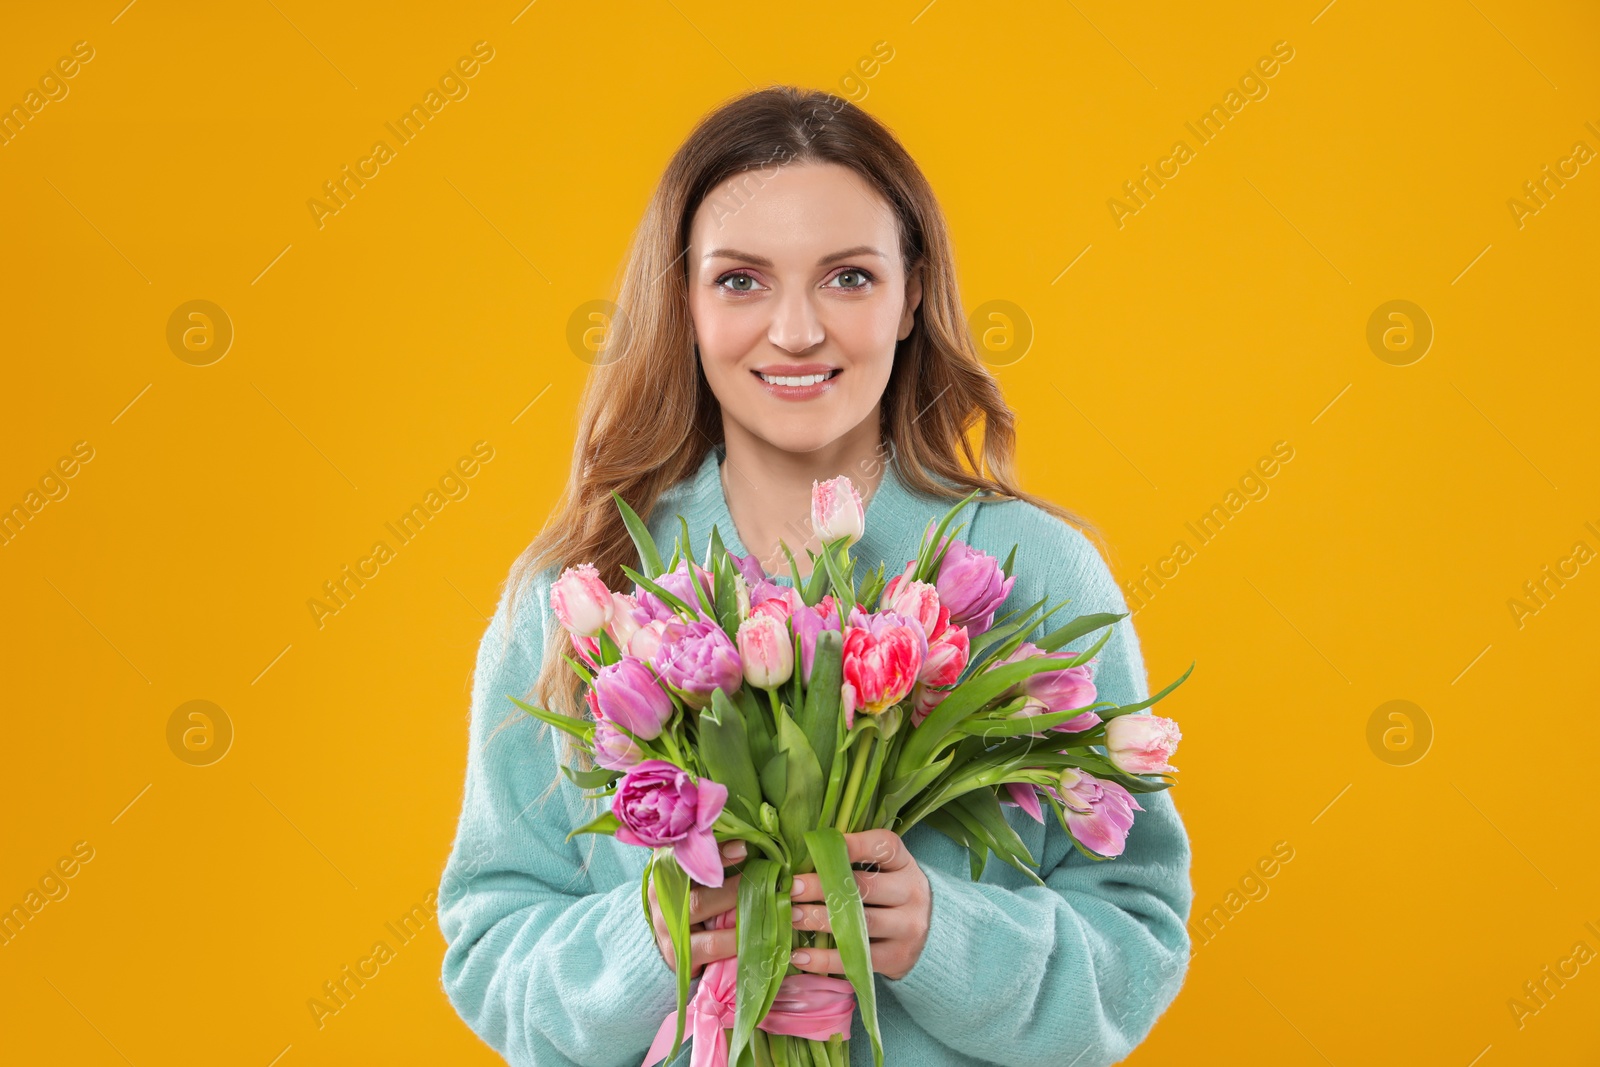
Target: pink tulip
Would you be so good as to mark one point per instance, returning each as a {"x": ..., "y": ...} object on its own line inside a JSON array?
[
  {"x": 836, "y": 510},
  {"x": 695, "y": 658},
  {"x": 629, "y": 696},
  {"x": 626, "y": 618},
  {"x": 1099, "y": 812},
  {"x": 646, "y": 640},
  {"x": 948, "y": 653},
  {"x": 779, "y": 601},
  {"x": 1026, "y": 796},
  {"x": 970, "y": 583},
  {"x": 883, "y": 653},
  {"x": 581, "y": 600},
  {"x": 1142, "y": 744},
  {"x": 808, "y": 621},
  {"x": 660, "y": 804},
  {"x": 1053, "y": 691},
  {"x": 678, "y": 583},
  {"x": 588, "y": 650},
  {"x": 767, "y": 651},
  {"x": 613, "y": 749}
]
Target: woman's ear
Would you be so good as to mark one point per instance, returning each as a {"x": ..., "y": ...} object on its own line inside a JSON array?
[{"x": 913, "y": 299}]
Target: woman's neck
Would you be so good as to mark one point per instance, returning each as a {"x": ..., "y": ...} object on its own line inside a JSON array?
[{"x": 769, "y": 489}]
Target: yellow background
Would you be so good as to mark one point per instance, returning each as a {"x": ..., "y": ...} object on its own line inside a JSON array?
[{"x": 1229, "y": 313}]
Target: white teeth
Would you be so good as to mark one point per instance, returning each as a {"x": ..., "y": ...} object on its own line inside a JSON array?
[{"x": 795, "y": 380}]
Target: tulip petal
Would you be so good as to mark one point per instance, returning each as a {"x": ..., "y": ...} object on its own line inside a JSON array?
[
  {"x": 713, "y": 796},
  {"x": 697, "y": 854}
]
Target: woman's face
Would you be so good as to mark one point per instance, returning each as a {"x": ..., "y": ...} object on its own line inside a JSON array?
[{"x": 797, "y": 277}]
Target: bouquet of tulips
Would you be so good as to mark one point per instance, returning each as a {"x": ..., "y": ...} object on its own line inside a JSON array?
[{"x": 728, "y": 706}]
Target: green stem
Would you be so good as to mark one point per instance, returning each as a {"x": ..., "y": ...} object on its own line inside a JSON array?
[
  {"x": 858, "y": 765},
  {"x": 672, "y": 748},
  {"x": 869, "y": 788}
]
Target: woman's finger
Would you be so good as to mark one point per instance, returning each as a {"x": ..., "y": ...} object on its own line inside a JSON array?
[{"x": 881, "y": 922}]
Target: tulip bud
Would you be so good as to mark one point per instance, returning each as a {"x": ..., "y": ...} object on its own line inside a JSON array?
[
  {"x": 766, "y": 650},
  {"x": 1142, "y": 744},
  {"x": 836, "y": 510},
  {"x": 581, "y": 601}
]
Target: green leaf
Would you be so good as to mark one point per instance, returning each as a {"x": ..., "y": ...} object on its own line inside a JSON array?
[
  {"x": 599, "y": 776},
  {"x": 644, "y": 890},
  {"x": 649, "y": 554},
  {"x": 666, "y": 597},
  {"x": 838, "y": 582},
  {"x": 1126, "y": 709},
  {"x": 982, "y": 807},
  {"x": 715, "y": 549},
  {"x": 581, "y": 729},
  {"x": 761, "y": 940},
  {"x": 819, "y": 714},
  {"x": 757, "y": 725},
  {"x": 1001, "y": 629},
  {"x": 775, "y": 779},
  {"x": 925, "y": 556},
  {"x": 725, "y": 751},
  {"x": 604, "y": 823},
  {"x": 951, "y": 827},
  {"x": 831, "y": 793},
  {"x": 579, "y": 669},
  {"x": 672, "y": 893},
  {"x": 902, "y": 789},
  {"x": 848, "y": 919},
  {"x": 1028, "y": 724},
  {"x": 727, "y": 596},
  {"x": 802, "y": 798},
  {"x": 1075, "y": 629},
  {"x": 963, "y": 701}
]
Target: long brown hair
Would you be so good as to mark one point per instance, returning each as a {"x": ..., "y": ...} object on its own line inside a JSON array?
[{"x": 647, "y": 416}]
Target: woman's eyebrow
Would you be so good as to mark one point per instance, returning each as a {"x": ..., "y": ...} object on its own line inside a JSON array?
[{"x": 762, "y": 261}]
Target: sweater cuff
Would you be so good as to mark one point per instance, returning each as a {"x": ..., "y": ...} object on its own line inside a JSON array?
[
  {"x": 943, "y": 974},
  {"x": 626, "y": 932}
]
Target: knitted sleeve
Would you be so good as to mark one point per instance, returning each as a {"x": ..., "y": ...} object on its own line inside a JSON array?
[
  {"x": 1077, "y": 970},
  {"x": 542, "y": 967}
]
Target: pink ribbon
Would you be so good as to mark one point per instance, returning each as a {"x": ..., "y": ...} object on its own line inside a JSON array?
[{"x": 811, "y": 1006}]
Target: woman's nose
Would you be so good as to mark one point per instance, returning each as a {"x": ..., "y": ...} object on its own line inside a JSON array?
[{"x": 796, "y": 327}]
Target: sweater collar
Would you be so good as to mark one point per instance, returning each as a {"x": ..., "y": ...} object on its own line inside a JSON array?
[{"x": 894, "y": 513}]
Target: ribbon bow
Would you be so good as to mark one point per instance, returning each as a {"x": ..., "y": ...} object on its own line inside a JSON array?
[{"x": 811, "y": 1006}]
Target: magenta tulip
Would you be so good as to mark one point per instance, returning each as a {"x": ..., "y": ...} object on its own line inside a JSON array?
[
  {"x": 696, "y": 658},
  {"x": 808, "y": 621},
  {"x": 630, "y": 697},
  {"x": 971, "y": 584},
  {"x": 1099, "y": 811},
  {"x": 659, "y": 804},
  {"x": 613, "y": 749},
  {"x": 678, "y": 583}
]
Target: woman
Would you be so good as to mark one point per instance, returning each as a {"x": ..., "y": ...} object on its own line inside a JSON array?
[{"x": 790, "y": 313}]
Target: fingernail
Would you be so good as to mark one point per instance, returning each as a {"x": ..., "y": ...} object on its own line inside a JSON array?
[
  {"x": 801, "y": 957},
  {"x": 798, "y": 887},
  {"x": 734, "y": 850}
]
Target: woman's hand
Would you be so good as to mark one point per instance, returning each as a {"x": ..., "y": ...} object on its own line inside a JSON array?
[
  {"x": 705, "y": 946},
  {"x": 898, "y": 899}
]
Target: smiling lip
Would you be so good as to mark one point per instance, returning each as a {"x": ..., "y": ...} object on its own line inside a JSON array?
[{"x": 798, "y": 370}]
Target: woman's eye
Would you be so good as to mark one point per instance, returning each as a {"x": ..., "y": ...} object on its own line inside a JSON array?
[
  {"x": 861, "y": 278},
  {"x": 735, "y": 277}
]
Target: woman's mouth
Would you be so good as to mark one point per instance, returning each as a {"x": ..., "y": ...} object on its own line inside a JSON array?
[{"x": 799, "y": 386}]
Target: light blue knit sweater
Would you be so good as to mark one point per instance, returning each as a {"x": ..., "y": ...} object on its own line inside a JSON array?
[{"x": 550, "y": 959}]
